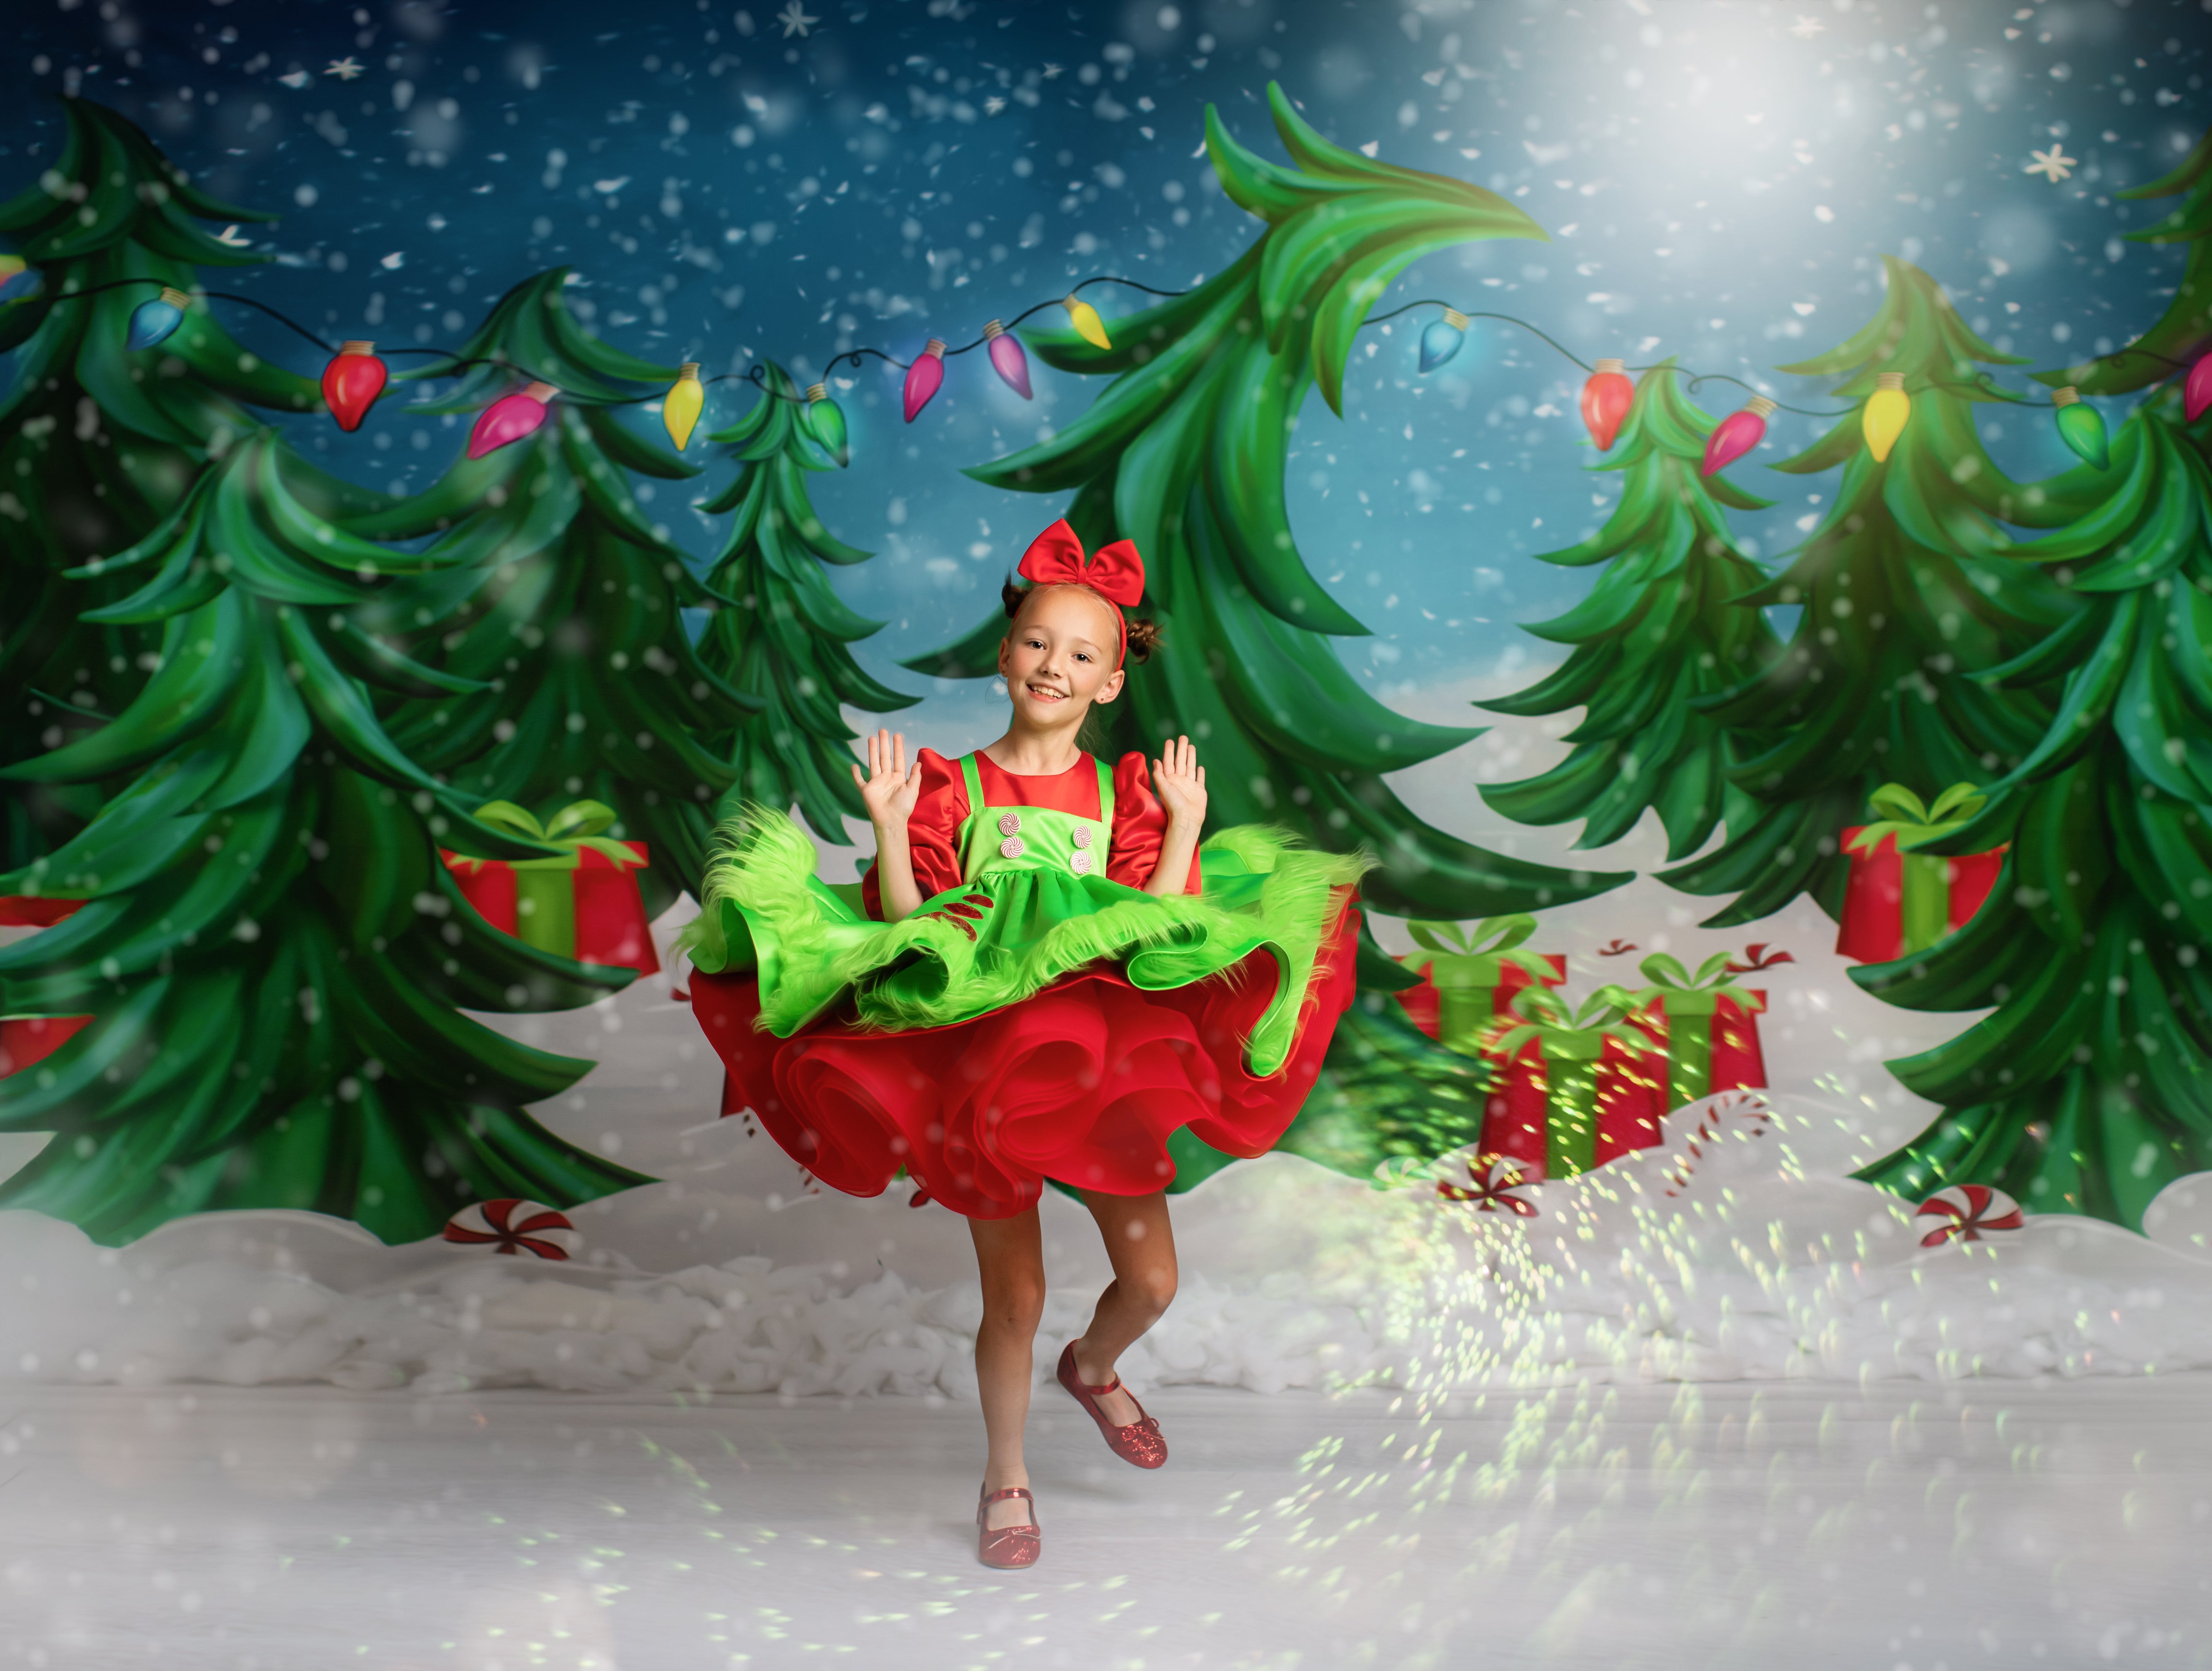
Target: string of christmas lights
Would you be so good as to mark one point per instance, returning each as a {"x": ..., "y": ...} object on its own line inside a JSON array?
[{"x": 357, "y": 377}]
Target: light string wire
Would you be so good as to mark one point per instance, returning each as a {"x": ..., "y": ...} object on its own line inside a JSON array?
[{"x": 1984, "y": 382}]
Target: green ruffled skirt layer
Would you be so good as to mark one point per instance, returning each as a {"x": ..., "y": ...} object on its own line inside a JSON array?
[{"x": 1011, "y": 935}]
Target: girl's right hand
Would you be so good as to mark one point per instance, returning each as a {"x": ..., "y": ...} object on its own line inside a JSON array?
[{"x": 889, "y": 789}]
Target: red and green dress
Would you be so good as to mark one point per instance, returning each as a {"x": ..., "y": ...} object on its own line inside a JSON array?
[{"x": 1040, "y": 1016}]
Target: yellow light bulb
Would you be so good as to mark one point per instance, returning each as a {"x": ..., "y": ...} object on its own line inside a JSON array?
[
  {"x": 1888, "y": 410},
  {"x": 1087, "y": 325},
  {"x": 680, "y": 410}
]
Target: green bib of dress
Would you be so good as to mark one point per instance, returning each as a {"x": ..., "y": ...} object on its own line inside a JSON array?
[{"x": 994, "y": 838}]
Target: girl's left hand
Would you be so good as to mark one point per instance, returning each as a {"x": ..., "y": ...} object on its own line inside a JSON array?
[{"x": 1180, "y": 782}]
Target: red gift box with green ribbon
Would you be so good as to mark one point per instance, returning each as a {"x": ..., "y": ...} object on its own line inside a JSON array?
[
  {"x": 1706, "y": 1025},
  {"x": 1577, "y": 1085},
  {"x": 1899, "y": 901},
  {"x": 27, "y": 1040},
  {"x": 1469, "y": 976},
  {"x": 583, "y": 903}
]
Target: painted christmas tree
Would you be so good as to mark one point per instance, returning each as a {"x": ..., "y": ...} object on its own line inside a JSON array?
[
  {"x": 1905, "y": 596},
  {"x": 1184, "y": 454},
  {"x": 2090, "y": 1088},
  {"x": 566, "y": 604},
  {"x": 782, "y": 636},
  {"x": 1660, "y": 629},
  {"x": 275, "y": 959},
  {"x": 99, "y": 442}
]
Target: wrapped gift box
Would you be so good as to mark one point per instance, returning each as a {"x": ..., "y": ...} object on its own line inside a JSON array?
[
  {"x": 1899, "y": 901},
  {"x": 1572, "y": 1088},
  {"x": 584, "y": 904},
  {"x": 1469, "y": 977}
]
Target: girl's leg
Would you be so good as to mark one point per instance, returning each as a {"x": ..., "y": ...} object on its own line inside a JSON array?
[
  {"x": 1141, "y": 1242},
  {"x": 1010, "y": 1257}
]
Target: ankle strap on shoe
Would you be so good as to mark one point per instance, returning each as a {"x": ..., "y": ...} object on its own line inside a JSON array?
[{"x": 1011, "y": 1491}]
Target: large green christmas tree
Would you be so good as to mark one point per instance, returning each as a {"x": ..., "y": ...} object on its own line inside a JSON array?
[
  {"x": 566, "y": 604},
  {"x": 2090, "y": 1087},
  {"x": 1660, "y": 629},
  {"x": 782, "y": 634},
  {"x": 1184, "y": 454},
  {"x": 98, "y": 443},
  {"x": 274, "y": 955},
  {"x": 1905, "y": 596}
]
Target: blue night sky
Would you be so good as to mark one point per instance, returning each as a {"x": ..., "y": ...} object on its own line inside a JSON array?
[{"x": 1719, "y": 182}]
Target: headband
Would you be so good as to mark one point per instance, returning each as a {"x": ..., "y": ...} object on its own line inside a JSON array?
[{"x": 1114, "y": 572}]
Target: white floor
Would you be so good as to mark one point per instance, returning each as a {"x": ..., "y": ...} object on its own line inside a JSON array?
[{"x": 1712, "y": 1526}]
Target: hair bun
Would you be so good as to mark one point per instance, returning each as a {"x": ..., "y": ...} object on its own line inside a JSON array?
[{"x": 1144, "y": 639}]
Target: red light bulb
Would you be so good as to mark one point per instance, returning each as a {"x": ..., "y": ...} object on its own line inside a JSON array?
[
  {"x": 351, "y": 383},
  {"x": 2197, "y": 393},
  {"x": 925, "y": 377},
  {"x": 1736, "y": 434},
  {"x": 509, "y": 419},
  {"x": 1605, "y": 400}
]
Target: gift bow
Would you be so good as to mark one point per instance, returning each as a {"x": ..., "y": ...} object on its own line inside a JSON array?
[
  {"x": 1566, "y": 1034},
  {"x": 1674, "y": 989},
  {"x": 575, "y": 826},
  {"x": 1114, "y": 571},
  {"x": 1473, "y": 958},
  {"x": 1913, "y": 824}
]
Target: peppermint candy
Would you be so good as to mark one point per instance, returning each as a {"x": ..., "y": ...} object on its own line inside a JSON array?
[
  {"x": 1968, "y": 1210},
  {"x": 514, "y": 1227},
  {"x": 1494, "y": 1183}
]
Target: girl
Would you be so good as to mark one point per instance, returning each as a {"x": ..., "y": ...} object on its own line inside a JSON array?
[{"x": 1044, "y": 978}]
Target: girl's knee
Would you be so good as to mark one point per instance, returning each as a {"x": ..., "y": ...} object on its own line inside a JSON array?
[
  {"x": 1154, "y": 1285},
  {"x": 1016, "y": 1301}
]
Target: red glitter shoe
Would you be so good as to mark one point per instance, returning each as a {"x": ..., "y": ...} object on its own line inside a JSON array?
[
  {"x": 1140, "y": 1442},
  {"x": 1007, "y": 1546}
]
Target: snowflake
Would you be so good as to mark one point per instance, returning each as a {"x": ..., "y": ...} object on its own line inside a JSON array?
[
  {"x": 1806, "y": 28},
  {"x": 229, "y": 235},
  {"x": 344, "y": 68},
  {"x": 795, "y": 20},
  {"x": 993, "y": 106},
  {"x": 2054, "y": 165}
]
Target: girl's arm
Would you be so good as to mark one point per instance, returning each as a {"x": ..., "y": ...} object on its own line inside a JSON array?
[
  {"x": 891, "y": 790},
  {"x": 1180, "y": 782}
]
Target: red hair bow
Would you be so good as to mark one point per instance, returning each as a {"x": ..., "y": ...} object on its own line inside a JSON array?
[{"x": 1114, "y": 571}]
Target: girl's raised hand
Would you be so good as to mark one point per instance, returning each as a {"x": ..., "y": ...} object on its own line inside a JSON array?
[
  {"x": 889, "y": 789},
  {"x": 1180, "y": 782}
]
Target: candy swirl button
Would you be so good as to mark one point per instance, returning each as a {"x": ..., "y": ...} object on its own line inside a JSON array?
[
  {"x": 1009, "y": 823},
  {"x": 1012, "y": 848},
  {"x": 1081, "y": 863},
  {"x": 1082, "y": 837}
]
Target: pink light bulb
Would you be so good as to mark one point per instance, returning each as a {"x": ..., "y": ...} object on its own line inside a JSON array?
[
  {"x": 1736, "y": 434},
  {"x": 925, "y": 377},
  {"x": 509, "y": 419},
  {"x": 2196, "y": 393},
  {"x": 1007, "y": 359}
]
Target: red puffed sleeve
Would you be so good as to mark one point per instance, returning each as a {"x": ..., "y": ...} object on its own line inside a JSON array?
[
  {"x": 933, "y": 832},
  {"x": 1140, "y": 825}
]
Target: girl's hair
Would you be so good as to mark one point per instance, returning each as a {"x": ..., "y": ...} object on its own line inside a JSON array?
[{"x": 1144, "y": 636}]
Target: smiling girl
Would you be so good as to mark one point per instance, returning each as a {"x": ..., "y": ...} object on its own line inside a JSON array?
[{"x": 1047, "y": 977}]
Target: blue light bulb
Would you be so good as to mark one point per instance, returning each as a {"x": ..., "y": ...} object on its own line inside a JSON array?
[
  {"x": 1443, "y": 338},
  {"x": 153, "y": 323}
]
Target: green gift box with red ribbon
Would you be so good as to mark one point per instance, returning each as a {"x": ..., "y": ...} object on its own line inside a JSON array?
[
  {"x": 583, "y": 903},
  {"x": 1899, "y": 901}
]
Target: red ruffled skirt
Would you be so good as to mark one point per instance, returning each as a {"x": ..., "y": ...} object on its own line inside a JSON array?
[{"x": 1081, "y": 1084}]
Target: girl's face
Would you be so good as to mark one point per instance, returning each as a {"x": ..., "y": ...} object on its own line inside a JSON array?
[{"x": 1058, "y": 658}]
